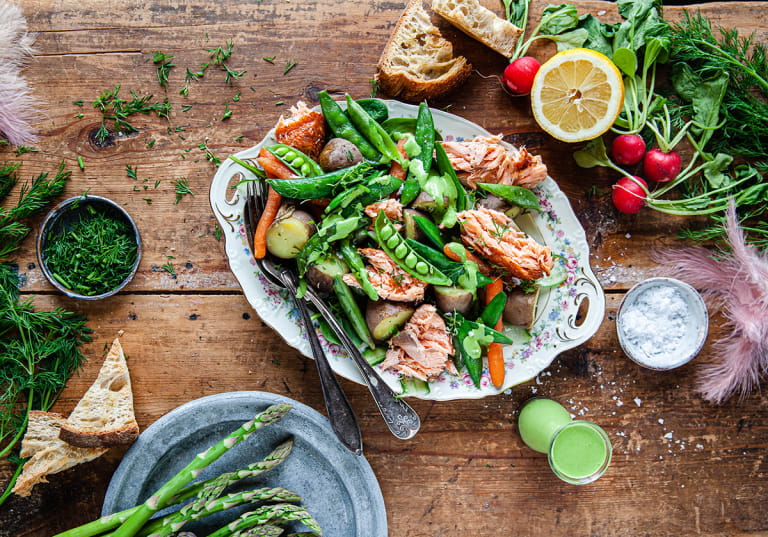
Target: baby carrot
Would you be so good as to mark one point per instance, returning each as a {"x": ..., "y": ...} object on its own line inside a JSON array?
[
  {"x": 495, "y": 350},
  {"x": 396, "y": 170},
  {"x": 274, "y": 170},
  {"x": 273, "y": 167},
  {"x": 450, "y": 254}
]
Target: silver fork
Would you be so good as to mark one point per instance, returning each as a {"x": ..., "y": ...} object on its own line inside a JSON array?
[
  {"x": 400, "y": 418},
  {"x": 340, "y": 413}
]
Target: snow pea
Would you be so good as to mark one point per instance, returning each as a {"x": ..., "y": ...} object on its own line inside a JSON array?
[
  {"x": 425, "y": 137},
  {"x": 457, "y": 272},
  {"x": 342, "y": 127},
  {"x": 352, "y": 311},
  {"x": 404, "y": 255},
  {"x": 517, "y": 195},
  {"x": 296, "y": 160},
  {"x": 355, "y": 262},
  {"x": 320, "y": 186},
  {"x": 373, "y": 132}
]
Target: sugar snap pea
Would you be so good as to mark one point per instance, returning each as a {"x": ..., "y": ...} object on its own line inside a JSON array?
[
  {"x": 295, "y": 159},
  {"x": 373, "y": 132},
  {"x": 320, "y": 186},
  {"x": 425, "y": 137},
  {"x": 373, "y": 190},
  {"x": 404, "y": 255},
  {"x": 446, "y": 168},
  {"x": 352, "y": 310},
  {"x": 397, "y": 127},
  {"x": 375, "y": 108},
  {"x": 342, "y": 127},
  {"x": 355, "y": 262}
]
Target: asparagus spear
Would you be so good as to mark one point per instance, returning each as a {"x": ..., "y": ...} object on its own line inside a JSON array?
[
  {"x": 302, "y": 534},
  {"x": 194, "y": 511},
  {"x": 160, "y": 498},
  {"x": 274, "y": 514},
  {"x": 112, "y": 521},
  {"x": 260, "y": 531}
]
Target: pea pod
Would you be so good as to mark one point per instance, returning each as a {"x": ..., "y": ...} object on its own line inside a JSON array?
[
  {"x": 404, "y": 255},
  {"x": 355, "y": 262},
  {"x": 469, "y": 338},
  {"x": 431, "y": 231},
  {"x": 517, "y": 195},
  {"x": 352, "y": 310},
  {"x": 320, "y": 186},
  {"x": 445, "y": 168},
  {"x": 375, "y": 108},
  {"x": 492, "y": 312},
  {"x": 397, "y": 127},
  {"x": 455, "y": 271},
  {"x": 373, "y": 132},
  {"x": 342, "y": 127},
  {"x": 425, "y": 137},
  {"x": 375, "y": 189},
  {"x": 296, "y": 160}
]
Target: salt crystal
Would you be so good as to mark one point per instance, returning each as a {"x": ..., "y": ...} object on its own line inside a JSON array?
[
  {"x": 628, "y": 235},
  {"x": 638, "y": 401},
  {"x": 619, "y": 403},
  {"x": 661, "y": 420},
  {"x": 699, "y": 446},
  {"x": 668, "y": 436}
]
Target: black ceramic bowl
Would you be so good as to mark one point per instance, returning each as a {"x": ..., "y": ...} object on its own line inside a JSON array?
[{"x": 64, "y": 215}]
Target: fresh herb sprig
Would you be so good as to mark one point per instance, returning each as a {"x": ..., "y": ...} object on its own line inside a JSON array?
[
  {"x": 164, "y": 66},
  {"x": 181, "y": 188},
  {"x": 116, "y": 109}
]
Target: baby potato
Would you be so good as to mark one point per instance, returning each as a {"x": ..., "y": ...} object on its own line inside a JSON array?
[{"x": 289, "y": 233}]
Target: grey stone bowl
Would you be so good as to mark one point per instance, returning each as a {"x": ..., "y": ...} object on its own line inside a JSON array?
[{"x": 338, "y": 487}]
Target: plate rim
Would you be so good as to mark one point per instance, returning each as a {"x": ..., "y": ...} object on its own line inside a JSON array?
[
  {"x": 371, "y": 482},
  {"x": 583, "y": 336}
]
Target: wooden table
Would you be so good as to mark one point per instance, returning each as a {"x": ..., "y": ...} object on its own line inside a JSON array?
[{"x": 467, "y": 473}]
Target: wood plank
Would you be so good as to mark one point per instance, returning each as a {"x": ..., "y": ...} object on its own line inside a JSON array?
[
  {"x": 467, "y": 471},
  {"x": 60, "y": 80}
]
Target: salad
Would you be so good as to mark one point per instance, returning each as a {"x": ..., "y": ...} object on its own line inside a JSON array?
[{"x": 411, "y": 238}]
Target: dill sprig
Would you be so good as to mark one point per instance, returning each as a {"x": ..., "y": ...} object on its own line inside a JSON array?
[
  {"x": 744, "y": 112},
  {"x": 164, "y": 67},
  {"x": 181, "y": 187},
  {"x": 209, "y": 156},
  {"x": 116, "y": 109},
  {"x": 219, "y": 57}
]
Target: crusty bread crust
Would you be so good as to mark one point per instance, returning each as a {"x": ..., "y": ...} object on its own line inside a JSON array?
[
  {"x": 104, "y": 416},
  {"x": 480, "y": 23},
  {"x": 437, "y": 73},
  {"x": 50, "y": 455}
]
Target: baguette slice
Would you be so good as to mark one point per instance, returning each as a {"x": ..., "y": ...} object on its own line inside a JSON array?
[
  {"x": 480, "y": 23},
  {"x": 417, "y": 63},
  {"x": 50, "y": 455},
  {"x": 104, "y": 416}
]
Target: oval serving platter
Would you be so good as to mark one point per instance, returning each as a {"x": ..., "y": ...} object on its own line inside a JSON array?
[
  {"x": 557, "y": 326},
  {"x": 338, "y": 488}
]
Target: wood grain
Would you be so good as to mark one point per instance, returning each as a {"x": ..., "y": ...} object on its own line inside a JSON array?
[{"x": 467, "y": 472}]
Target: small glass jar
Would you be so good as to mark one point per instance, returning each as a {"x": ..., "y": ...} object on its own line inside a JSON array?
[{"x": 580, "y": 452}]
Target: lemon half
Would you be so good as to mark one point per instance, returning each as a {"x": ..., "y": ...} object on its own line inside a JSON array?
[{"x": 577, "y": 95}]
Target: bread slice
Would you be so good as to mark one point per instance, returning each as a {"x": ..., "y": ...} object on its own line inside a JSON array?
[
  {"x": 50, "y": 455},
  {"x": 104, "y": 416},
  {"x": 417, "y": 63},
  {"x": 480, "y": 23}
]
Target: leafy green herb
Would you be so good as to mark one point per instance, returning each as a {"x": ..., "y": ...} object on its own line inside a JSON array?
[
  {"x": 20, "y": 150},
  {"x": 168, "y": 267},
  {"x": 271, "y": 59},
  {"x": 118, "y": 110},
  {"x": 79, "y": 116},
  {"x": 93, "y": 255},
  {"x": 189, "y": 77},
  {"x": 78, "y": 102},
  {"x": 236, "y": 98},
  {"x": 239, "y": 138},
  {"x": 217, "y": 232},
  {"x": 186, "y": 107},
  {"x": 210, "y": 157},
  {"x": 227, "y": 112},
  {"x": 130, "y": 173},
  {"x": 219, "y": 56},
  {"x": 157, "y": 183},
  {"x": 278, "y": 103},
  {"x": 148, "y": 200},
  {"x": 164, "y": 67},
  {"x": 288, "y": 66},
  {"x": 181, "y": 187}
]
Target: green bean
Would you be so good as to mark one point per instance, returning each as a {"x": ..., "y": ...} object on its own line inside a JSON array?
[
  {"x": 352, "y": 310},
  {"x": 296, "y": 160},
  {"x": 355, "y": 262},
  {"x": 404, "y": 255},
  {"x": 342, "y": 127},
  {"x": 320, "y": 186},
  {"x": 373, "y": 131}
]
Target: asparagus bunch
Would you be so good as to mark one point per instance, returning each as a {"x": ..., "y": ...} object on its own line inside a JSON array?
[
  {"x": 276, "y": 514},
  {"x": 165, "y": 493},
  {"x": 172, "y": 523}
]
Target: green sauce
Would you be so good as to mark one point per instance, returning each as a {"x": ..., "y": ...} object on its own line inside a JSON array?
[
  {"x": 579, "y": 450},
  {"x": 539, "y": 420}
]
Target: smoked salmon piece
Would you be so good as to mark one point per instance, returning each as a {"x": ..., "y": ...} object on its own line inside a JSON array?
[
  {"x": 493, "y": 236},
  {"x": 422, "y": 347},
  {"x": 390, "y": 281},
  {"x": 487, "y": 160},
  {"x": 391, "y": 207},
  {"x": 304, "y": 130}
]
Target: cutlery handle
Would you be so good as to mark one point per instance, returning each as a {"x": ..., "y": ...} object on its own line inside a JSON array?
[
  {"x": 401, "y": 419},
  {"x": 340, "y": 413}
]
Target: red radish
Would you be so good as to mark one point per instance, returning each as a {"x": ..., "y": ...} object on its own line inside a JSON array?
[
  {"x": 660, "y": 166},
  {"x": 628, "y": 149},
  {"x": 518, "y": 75},
  {"x": 628, "y": 196}
]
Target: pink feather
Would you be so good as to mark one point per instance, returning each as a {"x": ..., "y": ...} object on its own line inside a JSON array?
[
  {"x": 736, "y": 283},
  {"x": 17, "y": 106}
]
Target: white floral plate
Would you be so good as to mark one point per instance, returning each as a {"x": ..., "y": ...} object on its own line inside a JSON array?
[{"x": 557, "y": 327}]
